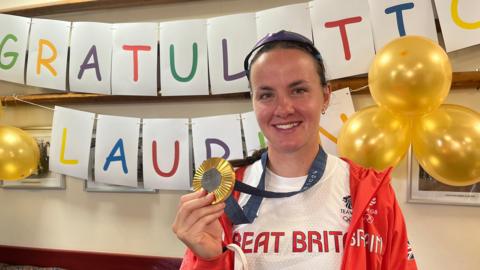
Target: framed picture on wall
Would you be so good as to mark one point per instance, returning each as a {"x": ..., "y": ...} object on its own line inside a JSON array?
[
  {"x": 423, "y": 188},
  {"x": 43, "y": 178},
  {"x": 92, "y": 186}
]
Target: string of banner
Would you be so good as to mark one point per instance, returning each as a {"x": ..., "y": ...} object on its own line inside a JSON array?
[{"x": 65, "y": 156}]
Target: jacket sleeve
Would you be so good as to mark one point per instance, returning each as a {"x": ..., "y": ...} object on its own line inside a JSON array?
[
  {"x": 193, "y": 262},
  {"x": 400, "y": 255}
]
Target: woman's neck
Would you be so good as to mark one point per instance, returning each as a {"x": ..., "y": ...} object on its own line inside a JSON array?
[{"x": 292, "y": 164}]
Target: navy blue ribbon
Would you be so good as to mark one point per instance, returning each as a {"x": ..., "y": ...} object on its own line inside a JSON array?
[{"x": 249, "y": 212}]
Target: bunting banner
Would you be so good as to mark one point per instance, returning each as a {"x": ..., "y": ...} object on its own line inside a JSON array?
[
  {"x": 460, "y": 22},
  {"x": 226, "y": 50},
  {"x": 273, "y": 20},
  {"x": 393, "y": 19},
  {"x": 184, "y": 62},
  {"x": 254, "y": 138},
  {"x": 159, "y": 155},
  {"x": 217, "y": 136},
  {"x": 48, "y": 54},
  {"x": 91, "y": 57},
  {"x": 116, "y": 150},
  {"x": 166, "y": 155},
  {"x": 342, "y": 30},
  {"x": 13, "y": 47},
  {"x": 70, "y": 142},
  {"x": 204, "y": 56},
  {"x": 337, "y": 113},
  {"x": 134, "y": 60}
]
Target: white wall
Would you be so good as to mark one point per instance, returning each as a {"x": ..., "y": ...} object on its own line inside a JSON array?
[{"x": 443, "y": 237}]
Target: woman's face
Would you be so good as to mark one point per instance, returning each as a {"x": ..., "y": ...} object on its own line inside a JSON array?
[{"x": 288, "y": 99}]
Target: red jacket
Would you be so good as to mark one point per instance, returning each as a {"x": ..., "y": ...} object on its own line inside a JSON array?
[{"x": 377, "y": 232}]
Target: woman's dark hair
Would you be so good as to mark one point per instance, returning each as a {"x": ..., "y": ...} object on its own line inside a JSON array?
[
  {"x": 320, "y": 67},
  {"x": 248, "y": 160}
]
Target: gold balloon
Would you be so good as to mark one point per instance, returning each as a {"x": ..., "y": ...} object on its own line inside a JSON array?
[
  {"x": 374, "y": 138},
  {"x": 446, "y": 143},
  {"x": 410, "y": 76},
  {"x": 19, "y": 154}
]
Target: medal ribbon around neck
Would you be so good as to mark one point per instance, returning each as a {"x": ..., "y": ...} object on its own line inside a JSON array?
[{"x": 217, "y": 175}]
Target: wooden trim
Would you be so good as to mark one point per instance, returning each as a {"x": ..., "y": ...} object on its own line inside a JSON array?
[
  {"x": 58, "y": 7},
  {"x": 460, "y": 80},
  {"x": 82, "y": 260}
]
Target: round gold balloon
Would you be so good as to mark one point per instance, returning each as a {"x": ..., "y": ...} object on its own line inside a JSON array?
[
  {"x": 410, "y": 76},
  {"x": 215, "y": 175},
  {"x": 374, "y": 138},
  {"x": 446, "y": 143},
  {"x": 19, "y": 153}
]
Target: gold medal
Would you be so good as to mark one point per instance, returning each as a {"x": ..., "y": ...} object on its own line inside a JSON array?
[{"x": 215, "y": 175}]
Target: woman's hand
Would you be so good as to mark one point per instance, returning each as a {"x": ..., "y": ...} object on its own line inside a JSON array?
[{"x": 197, "y": 224}]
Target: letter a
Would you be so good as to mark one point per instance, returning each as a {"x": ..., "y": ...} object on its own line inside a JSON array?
[
  {"x": 91, "y": 53},
  {"x": 111, "y": 157}
]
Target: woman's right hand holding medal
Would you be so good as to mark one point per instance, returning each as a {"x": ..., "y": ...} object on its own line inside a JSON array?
[{"x": 197, "y": 226}]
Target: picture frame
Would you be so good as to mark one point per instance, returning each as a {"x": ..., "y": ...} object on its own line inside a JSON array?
[
  {"x": 423, "y": 188},
  {"x": 43, "y": 178},
  {"x": 92, "y": 186}
]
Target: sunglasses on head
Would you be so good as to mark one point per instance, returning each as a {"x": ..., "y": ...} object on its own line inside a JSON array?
[{"x": 282, "y": 35}]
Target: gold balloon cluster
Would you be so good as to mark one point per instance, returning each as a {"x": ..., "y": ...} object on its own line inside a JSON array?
[
  {"x": 409, "y": 79},
  {"x": 19, "y": 153}
]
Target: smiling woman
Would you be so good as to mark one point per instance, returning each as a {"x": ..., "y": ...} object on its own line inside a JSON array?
[{"x": 334, "y": 199}]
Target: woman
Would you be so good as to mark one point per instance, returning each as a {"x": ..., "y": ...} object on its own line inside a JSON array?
[{"x": 335, "y": 214}]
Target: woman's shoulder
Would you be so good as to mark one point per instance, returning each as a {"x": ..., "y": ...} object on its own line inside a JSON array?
[
  {"x": 338, "y": 162},
  {"x": 362, "y": 171}
]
